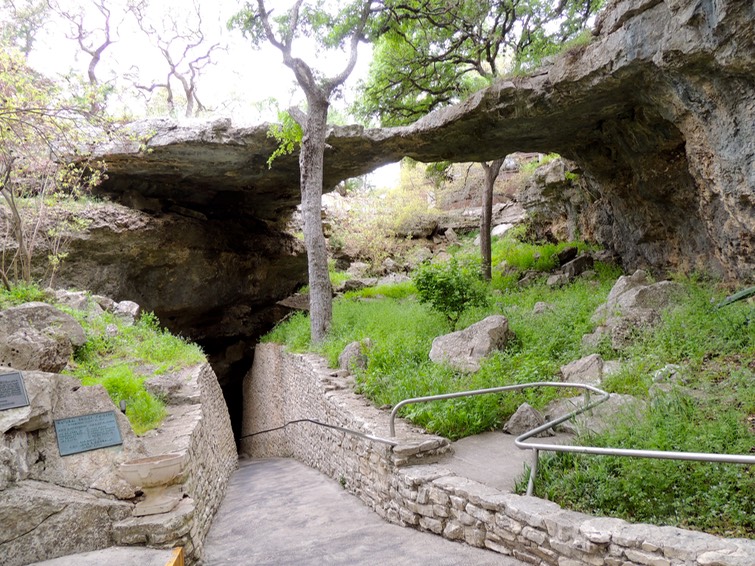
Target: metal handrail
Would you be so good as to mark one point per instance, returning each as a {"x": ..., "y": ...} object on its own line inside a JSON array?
[
  {"x": 350, "y": 431},
  {"x": 520, "y": 440},
  {"x": 502, "y": 389}
]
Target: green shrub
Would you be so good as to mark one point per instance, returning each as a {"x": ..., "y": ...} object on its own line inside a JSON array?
[
  {"x": 21, "y": 293},
  {"x": 449, "y": 288}
]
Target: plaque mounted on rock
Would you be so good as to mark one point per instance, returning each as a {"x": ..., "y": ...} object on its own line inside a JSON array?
[
  {"x": 87, "y": 432},
  {"x": 12, "y": 391}
]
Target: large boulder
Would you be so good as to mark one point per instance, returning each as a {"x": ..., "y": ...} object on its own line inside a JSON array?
[
  {"x": 634, "y": 304},
  {"x": 589, "y": 370},
  {"x": 37, "y": 336},
  {"x": 525, "y": 419},
  {"x": 41, "y": 520},
  {"x": 598, "y": 419},
  {"x": 633, "y": 292},
  {"x": 465, "y": 349},
  {"x": 54, "y": 397},
  {"x": 354, "y": 355}
]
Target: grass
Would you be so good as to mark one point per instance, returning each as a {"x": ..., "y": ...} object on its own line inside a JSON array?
[
  {"x": 710, "y": 409},
  {"x": 402, "y": 331},
  {"x": 120, "y": 361}
]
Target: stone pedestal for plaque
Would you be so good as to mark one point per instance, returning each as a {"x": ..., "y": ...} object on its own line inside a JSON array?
[{"x": 156, "y": 476}]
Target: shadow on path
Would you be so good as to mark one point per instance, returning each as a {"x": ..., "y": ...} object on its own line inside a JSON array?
[{"x": 281, "y": 512}]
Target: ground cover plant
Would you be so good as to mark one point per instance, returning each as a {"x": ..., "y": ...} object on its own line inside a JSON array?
[
  {"x": 708, "y": 406},
  {"x": 402, "y": 328},
  {"x": 123, "y": 359},
  {"x": 120, "y": 356}
]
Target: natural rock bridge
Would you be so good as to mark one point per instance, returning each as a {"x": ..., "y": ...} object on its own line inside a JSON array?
[{"x": 657, "y": 111}]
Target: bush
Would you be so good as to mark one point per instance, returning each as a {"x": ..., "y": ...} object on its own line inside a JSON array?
[{"x": 449, "y": 288}]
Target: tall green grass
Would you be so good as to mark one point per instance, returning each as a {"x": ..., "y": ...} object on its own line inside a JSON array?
[
  {"x": 709, "y": 408},
  {"x": 402, "y": 331}
]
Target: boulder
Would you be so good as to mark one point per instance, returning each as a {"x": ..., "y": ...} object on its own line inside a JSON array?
[
  {"x": 634, "y": 304},
  {"x": 177, "y": 388},
  {"x": 578, "y": 265},
  {"x": 596, "y": 420},
  {"x": 358, "y": 269},
  {"x": 632, "y": 292},
  {"x": 525, "y": 418},
  {"x": 557, "y": 280},
  {"x": 393, "y": 279},
  {"x": 541, "y": 307},
  {"x": 390, "y": 266},
  {"x": 417, "y": 226},
  {"x": 42, "y": 390},
  {"x": 501, "y": 229},
  {"x": 587, "y": 370},
  {"x": 464, "y": 349},
  {"x": 354, "y": 355},
  {"x": 42, "y": 521},
  {"x": 37, "y": 336},
  {"x": 567, "y": 254},
  {"x": 419, "y": 255},
  {"x": 451, "y": 236},
  {"x": 127, "y": 311}
]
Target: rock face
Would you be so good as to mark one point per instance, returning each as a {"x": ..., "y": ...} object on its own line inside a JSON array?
[
  {"x": 38, "y": 336},
  {"x": 53, "y": 505},
  {"x": 656, "y": 112},
  {"x": 215, "y": 281},
  {"x": 465, "y": 349}
]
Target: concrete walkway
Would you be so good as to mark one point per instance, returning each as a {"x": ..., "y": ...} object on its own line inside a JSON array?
[
  {"x": 281, "y": 512},
  {"x": 493, "y": 459}
]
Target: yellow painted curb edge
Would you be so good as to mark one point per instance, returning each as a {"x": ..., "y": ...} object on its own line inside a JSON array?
[{"x": 177, "y": 558}]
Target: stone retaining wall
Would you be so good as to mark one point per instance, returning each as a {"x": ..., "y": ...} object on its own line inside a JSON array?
[
  {"x": 53, "y": 506},
  {"x": 200, "y": 426},
  {"x": 404, "y": 485}
]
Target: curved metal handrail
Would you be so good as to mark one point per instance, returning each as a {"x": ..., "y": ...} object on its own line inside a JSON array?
[
  {"x": 504, "y": 388},
  {"x": 602, "y": 451}
]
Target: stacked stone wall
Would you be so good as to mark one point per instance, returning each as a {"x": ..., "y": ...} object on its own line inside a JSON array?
[
  {"x": 404, "y": 485},
  {"x": 202, "y": 429}
]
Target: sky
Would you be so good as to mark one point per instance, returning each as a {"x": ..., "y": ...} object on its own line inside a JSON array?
[{"x": 241, "y": 84}]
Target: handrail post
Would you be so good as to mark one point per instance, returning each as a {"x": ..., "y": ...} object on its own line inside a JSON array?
[{"x": 533, "y": 473}]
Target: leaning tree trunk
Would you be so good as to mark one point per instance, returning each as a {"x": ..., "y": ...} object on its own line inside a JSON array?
[
  {"x": 311, "y": 160},
  {"x": 486, "y": 218}
]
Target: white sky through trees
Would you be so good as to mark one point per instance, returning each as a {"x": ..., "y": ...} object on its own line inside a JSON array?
[{"x": 240, "y": 83}]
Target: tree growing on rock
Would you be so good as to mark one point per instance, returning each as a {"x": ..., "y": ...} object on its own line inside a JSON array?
[
  {"x": 435, "y": 53},
  {"x": 321, "y": 28}
]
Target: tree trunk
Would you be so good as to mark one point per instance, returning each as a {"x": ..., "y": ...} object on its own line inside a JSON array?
[
  {"x": 311, "y": 170},
  {"x": 491, "y": 174}
]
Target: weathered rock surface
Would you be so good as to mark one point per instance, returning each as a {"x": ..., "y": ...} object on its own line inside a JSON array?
[
  {"x": 216, "y": 281},
  {"x": 589, "y": 370},
  {"x": 656, "y": 113},
  {"x": 72, "y": 521},
  {"x": 38, "y": 336},
  {"x": 598, "y": 419},
  {"x": 632, "y": 305},
  {"x": 465, "y": 349},
  {"x": 354, "y": 355},
  {"x": 524, "y": 419}
]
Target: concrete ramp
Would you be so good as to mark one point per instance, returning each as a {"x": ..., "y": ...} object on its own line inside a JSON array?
[
  {"x": 281, "y": 512},
  {"x": 493, "y": 459}
]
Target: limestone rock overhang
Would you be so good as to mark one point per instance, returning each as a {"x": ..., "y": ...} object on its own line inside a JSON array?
[{"x": 657, "y": 111}]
